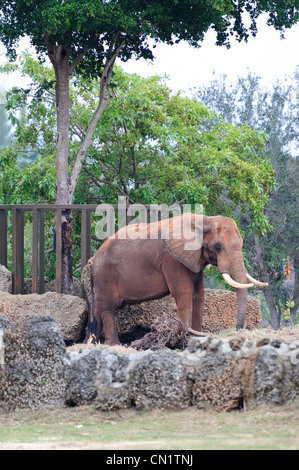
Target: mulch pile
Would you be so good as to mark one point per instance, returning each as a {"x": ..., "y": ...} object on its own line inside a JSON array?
[{"x": 166, "y": 332}]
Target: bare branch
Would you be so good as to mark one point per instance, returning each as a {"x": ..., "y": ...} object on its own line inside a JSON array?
[
  {"x": 103, "y": 103},
  {"x": 77, "y": 61}
]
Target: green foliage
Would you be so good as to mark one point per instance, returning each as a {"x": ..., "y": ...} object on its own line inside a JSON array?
[
  {"x": 287, "y": 312},
  {"x": 95, "y": 27},
  {"x": 5, "y": 128},
  {"x": 150, "y": 145},
  {"x": 163, "y": 148},
  {"x": 272, "y": 111}
]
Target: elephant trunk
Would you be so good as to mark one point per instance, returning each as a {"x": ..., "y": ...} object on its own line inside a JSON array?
[{"x": 238, "y": 273}]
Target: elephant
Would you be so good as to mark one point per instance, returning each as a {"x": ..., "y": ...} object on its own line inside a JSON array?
[{"x": 143, "y": 262}]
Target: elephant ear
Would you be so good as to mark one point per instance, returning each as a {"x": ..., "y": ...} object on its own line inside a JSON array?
[{"x": 183, "y": 240}]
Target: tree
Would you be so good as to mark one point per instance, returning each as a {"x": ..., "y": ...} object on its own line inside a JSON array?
[
  {"x": 275, "y": 112},
  {"x": 151, "y": 146},
  {"x": 86, "y": 38}
]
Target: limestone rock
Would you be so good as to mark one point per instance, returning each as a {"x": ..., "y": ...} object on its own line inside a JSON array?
[
  {"x": 221, "y": 373},
  {"x": 5, "y": 279},
  {"x": 37, "y": 371},
  {"x": 33, "y": 369},
  {"x": 69, "y": 311},
  {"x": 161, "y": 381},
  {"x": 276, "y": 373},
  {"x": 220, "y": 311},
  {"x": 101, "y": 376}
]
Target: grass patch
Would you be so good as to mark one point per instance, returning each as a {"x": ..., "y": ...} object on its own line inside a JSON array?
[{"x": 87, "y": 428}]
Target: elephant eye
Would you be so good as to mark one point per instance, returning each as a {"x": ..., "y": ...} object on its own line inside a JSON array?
[{"x": 217, "y": 247}]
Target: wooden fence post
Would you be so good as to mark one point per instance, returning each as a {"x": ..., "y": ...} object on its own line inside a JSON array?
[
  {"x": 85, "y": 237},
  {"x": 58, "y": 219},
  {"x": 35, "y": 246},
  {"x": 18, "y": 251},
  {"x": 3, "y": 237}
]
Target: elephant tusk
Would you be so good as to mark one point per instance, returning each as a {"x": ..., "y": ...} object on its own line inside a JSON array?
[
  {"x": 257, "y": 283},
  {"x": 235, "y": 284},
  {"x": 197, "y": 333}
]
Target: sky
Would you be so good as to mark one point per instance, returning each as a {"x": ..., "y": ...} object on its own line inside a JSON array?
[{"x": 266, "y": 55}]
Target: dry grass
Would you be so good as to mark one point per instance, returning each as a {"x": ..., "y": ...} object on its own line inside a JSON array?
[
  {"x": 121, "y": 349},
  {"x": 287, "y": 335}
]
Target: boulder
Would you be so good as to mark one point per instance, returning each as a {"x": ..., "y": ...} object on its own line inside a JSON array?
[
  {"x": 33, "y": 365},
  {"x": 275, "y": 377},
  {"x": 161, "y": 381},
  {"x": 146, "y": 380},
  {"x": 69, "y": 311},
  {"x": 220, "y": 311},
  {"x": 5, "y": 279},
  {"x": 86, "y": 282},
  {"x": 5, "y": 324},
  {"x": 100, "y": 376},
  {"x": 221, "y": 372}
]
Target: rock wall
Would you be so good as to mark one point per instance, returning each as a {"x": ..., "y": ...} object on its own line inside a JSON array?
[{"x": 37, "y": 371}]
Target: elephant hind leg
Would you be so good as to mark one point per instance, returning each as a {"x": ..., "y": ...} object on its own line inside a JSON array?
[
  {"x": 91, "y": 331},
  {"x": 107, "y": 299},
  {"x": 105, "y": 315},
  {"x": 109, "y": 327}
]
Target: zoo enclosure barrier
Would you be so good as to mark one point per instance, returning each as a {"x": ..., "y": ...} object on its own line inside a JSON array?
[{"x": 16, "y": 212}]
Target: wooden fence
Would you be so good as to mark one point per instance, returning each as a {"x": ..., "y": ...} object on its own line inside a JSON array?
[{"x": 16, "y": 213}]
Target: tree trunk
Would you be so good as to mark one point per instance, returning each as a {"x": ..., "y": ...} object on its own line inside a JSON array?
[
  {"x": 294, "y": 309},
  {"x": 63, "y": 118},
  {"x": 65, "y": 184},
  {"x": 268, "y": 293},
  {"x": 63, "y": 193}
]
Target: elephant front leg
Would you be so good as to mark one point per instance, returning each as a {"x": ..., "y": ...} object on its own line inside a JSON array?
[
  {"x": 185, "y": 306},
  {"x": 198, "y": 303},
  {"x": 181, "y": 288}
]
